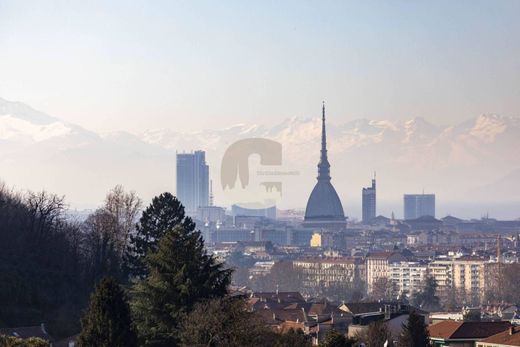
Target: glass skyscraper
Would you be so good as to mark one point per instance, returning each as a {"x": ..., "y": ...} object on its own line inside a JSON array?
[
  {"x": 192, "y": 181},
  {"x": 369, "y": 203},
  {"x": 419, "y": 205}
]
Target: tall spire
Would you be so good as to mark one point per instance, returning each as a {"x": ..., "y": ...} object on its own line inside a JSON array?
[{"x": 323, "y": 165}]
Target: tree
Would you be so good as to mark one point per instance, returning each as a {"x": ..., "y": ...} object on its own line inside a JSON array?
[
  {"x": 336, "y": 339},
  {"x": 222, "y": 322},
  {"x": 376, "y": 335},
  {"x": 107, "y": 322},
  {"x": 283, "y": 276},
  {"x": 124, "y": 207},
  {"x": 13, "y": 341},
  {"x": 164, "y": 214},
  {"x": 101, "y": 246},
  {"x": 427, "y": 298},
  {"x": 41, "y": 273},
  {"x": 291, "y": 338},
  {"x": 383, "y": 289},
  {"x": 181, "y": 274},
  {"x": 414, "y": 333}
]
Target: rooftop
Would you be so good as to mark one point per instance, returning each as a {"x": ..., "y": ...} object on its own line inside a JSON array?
[{"x": 449, "y": 330}]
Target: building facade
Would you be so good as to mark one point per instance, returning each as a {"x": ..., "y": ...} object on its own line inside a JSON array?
[
  {"x": 465, "y": 277},
  {"x": 192, "y": 181},
  {"x": 469, "y": 278},
  {"x": 327, "y": 272},
  {"x": 377, "y": 266},
  {"x": 419, "y": 205},
  {"x": 407, "y": 277}
]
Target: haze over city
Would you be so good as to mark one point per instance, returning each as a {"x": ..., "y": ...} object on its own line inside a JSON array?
[
  {"x": 259, "y": 173},
  {"x": 414, "y": 78}
]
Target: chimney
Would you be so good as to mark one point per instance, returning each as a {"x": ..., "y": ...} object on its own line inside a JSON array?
[{"x": 511, "y": 330}]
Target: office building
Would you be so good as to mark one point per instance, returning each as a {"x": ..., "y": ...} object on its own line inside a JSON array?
[
  {"x": 192, "y": 181},
  {"x": 419, "y": 205},
  {"x": 369, "y": 202}
]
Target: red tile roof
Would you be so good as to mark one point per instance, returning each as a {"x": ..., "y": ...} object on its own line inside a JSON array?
[
  {"x": 510, "y": 337},
  {"x": 448, "y": 330}
]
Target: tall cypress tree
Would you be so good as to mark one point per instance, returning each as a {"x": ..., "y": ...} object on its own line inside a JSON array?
[
  {"x": 107, "y": 322},
  {"x": 164, "y": 213},
  {"x": 414, "y": 333},
  {"x": 180, "y": 274}
]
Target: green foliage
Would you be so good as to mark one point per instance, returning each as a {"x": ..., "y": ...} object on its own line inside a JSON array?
[
  {"x": 107, "y": 322},
  {"x": 181, "y": 274},
  {"x": 41, "y": 273},
  {"x": 164, "y": 214},
  {"x": 414, "y": 333},
  {"x": 292, "y": 338},
  {"x": 238, "y": 259},
  {"x": 336, "y": 339},
  {"x": 470, "y": 315},
  {"x": 12, "y": 341}
]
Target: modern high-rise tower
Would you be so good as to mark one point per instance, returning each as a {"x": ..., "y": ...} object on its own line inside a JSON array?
[
  {"x": 324, "y": 209},
  {"x": 369, "y": 202},
  {"x": 419, "y": 205},
  {"x": 192, "y": 181}
]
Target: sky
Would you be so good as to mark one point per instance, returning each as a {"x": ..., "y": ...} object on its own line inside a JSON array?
[{"x": 187, "y": 65}]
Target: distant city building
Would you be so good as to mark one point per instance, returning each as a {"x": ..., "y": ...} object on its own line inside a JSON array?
[
  {"x": 419, "y": 205},
  {"x": 240, "y": 211},
  {"x": 192, "y": 181},
  {"x": 377, "y": 266},
  {"x": 407, "y": 277},
  {"x": 369, "y": 202},
  {"x": 324, "y": 208},
  {"x": 327, "y": 272},
  {"x": 466, "y": 275},
  {"x": 211, "y": 214}
]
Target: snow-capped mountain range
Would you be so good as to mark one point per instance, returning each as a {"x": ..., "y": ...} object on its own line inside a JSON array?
[{"x": 462, "y": 163}]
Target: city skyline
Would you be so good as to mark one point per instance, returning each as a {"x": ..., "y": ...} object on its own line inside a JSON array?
[
  {"x": 463, "y": 152},
  {"x": 201, "y": 173}
]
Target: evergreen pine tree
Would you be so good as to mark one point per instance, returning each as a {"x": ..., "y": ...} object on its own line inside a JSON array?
[
  {"x": 181, "y": 274},
  {"x": 164, "y": 213},
  {"x": 414, "y": 333},
  {"x": 107, "y": 322}
]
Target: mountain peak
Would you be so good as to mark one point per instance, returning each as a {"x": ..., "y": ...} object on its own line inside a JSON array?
[{"x": 24, "y": 112}]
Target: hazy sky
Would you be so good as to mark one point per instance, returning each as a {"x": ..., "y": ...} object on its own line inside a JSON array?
[{"x": 133, "y": 65}]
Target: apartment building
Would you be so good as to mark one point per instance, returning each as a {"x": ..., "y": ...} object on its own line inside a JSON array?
[
  {"x": 377, "y": 265},
  {"x": 325, "y": 272},
  {"x": 407, "y": 277}
]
